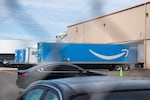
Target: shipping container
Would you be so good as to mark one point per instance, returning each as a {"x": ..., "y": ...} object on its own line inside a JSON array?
[{"x": 78, "y": 53}]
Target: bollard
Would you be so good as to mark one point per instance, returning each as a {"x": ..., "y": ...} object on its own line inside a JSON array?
[{"x": 121, "y": 72}]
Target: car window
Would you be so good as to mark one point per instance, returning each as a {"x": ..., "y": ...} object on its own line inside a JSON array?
[
  {"x": 61, "y": 68},
  {"x": 51, "y": 96},
  {"x": 34, "y": 94},
  {"x": 65, "y": 68}
]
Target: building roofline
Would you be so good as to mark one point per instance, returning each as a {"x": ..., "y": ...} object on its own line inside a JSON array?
[{"x": 110, "y": 14}]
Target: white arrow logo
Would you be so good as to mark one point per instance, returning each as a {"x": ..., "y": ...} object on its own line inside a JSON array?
[{"x": 124, "y": 52}]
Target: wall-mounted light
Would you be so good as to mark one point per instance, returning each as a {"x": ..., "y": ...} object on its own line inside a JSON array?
[
  {"x": 104, "y": 24},
  {"x": 76, "y": 29},
  {"x": 146, "y": 14}
]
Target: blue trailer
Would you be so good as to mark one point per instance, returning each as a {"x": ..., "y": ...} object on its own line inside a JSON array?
[
  {"x": 20, "y": 56},
  {"x": 102, "y": 55},
  {"x": 26, "y": 56}
]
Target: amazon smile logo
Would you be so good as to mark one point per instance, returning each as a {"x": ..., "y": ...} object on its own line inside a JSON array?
[{"x": 124, "y": 52}]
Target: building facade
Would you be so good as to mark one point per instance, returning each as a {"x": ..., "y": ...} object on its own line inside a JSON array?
[
  {"x": 131, "y": 25},
  {"x": 8, "y": 47}
]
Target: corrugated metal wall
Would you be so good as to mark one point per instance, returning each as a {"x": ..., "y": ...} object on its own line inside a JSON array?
[{"x": 123, "y": 26}]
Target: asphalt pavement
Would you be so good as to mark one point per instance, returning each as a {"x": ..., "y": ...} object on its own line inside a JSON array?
[
  {"x": 135, "y": 73},
  {"x": 8, "y": 89}
]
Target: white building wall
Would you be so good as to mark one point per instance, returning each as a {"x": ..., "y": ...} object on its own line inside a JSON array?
[{"x": 9, "y": 46}]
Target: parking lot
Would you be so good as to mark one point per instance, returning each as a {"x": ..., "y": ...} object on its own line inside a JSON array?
[
  {"x": 135, "y": 74},
  {"x": 9, "y": 90}
]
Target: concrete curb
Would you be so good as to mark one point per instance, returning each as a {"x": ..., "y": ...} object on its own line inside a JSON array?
[{"x": 7, "y": 69}]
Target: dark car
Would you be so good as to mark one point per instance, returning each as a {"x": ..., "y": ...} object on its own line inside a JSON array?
[
  {"x": 88, "y": 88},
  {"x": 51, "y": 71}
]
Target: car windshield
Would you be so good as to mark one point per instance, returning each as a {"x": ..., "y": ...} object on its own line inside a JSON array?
[{"x": 91, "y": 36}]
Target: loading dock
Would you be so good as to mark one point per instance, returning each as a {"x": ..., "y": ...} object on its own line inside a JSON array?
[{"x": 126, "y": 26}]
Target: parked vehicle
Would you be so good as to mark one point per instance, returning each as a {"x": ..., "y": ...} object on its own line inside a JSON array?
[
  {"x": 88, "y": 88},
  {"x": 111, "y": 56},
  {"x": 26, "y": 56},
  {"x": 51, "y": 71}
]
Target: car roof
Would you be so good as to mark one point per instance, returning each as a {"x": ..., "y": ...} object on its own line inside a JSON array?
[{"x": 91, "y": 84}]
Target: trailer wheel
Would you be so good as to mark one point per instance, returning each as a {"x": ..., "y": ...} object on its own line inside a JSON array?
[
  {"x": 126, "y": 67},
  {"x": 117, "y": 68},
  {"x": 111, "y": 67}
]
